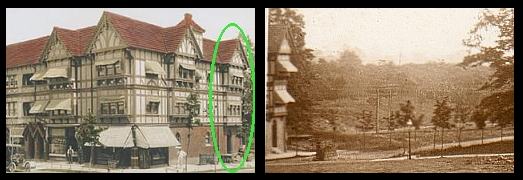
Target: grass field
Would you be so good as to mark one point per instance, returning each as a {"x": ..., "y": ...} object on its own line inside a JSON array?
[
  {"x": 370, "y": 141},
  {"x": 496, "y": 147},
  {"x": 450, "y": 165}
]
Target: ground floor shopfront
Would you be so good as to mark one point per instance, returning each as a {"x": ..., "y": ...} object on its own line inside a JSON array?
[{"x": 157, "y": 146}]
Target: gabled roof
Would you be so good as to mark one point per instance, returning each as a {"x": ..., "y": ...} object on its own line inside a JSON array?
[
  {"x": 173, "y": 36},
  {"x": 135, "y": 33},
  {"x": 75, "y": 40},
  {"x": 24, "y": 53},
  {"x": 276, "y": 35},
  {"x": 225, "y": 51}
]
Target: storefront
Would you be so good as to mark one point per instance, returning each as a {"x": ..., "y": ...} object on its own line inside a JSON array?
[
  {"x": 60, "y": 139},
  {"x": 134, "y": 146}
]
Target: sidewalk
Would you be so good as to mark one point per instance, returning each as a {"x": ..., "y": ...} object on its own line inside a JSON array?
[
  {"x": 61, "y": 167},
  {"x": 288, "y": 154}
]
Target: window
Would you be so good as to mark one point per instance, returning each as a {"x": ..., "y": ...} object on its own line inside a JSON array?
[
  {"x": 26, "y": 79},
  {"x": 113, "y": 107},
  {"x": 152, "y": 107},
  {"x": 11, "y": 109},
  {"x": 105, "y": 108},
  {"x": 120, "y": 108},
  {"x": 11, "y": 81},
  {"x": 178, "y": 137},
  {"x": 117, "y": 68},
  {"x": 151, "y": 76},
  {"x": 26, "y": 107},
  {"x": 207, "y": 138},
  {"x": 101, "y": 70},
  {"x": 110, "y": 69}
]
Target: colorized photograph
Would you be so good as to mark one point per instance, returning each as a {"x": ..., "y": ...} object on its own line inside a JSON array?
[{"x": 128, "y": 90}]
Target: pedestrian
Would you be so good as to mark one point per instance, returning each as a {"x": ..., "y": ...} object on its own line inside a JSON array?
[
  {"x": 181, "y": 159},
  {"x": 69, "y": 155}
]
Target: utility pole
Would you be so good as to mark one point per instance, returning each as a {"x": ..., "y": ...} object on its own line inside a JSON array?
[{"x": 377, "y": 111}]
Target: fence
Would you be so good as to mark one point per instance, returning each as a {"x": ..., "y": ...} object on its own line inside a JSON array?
[{"x": 398, "y": 140}]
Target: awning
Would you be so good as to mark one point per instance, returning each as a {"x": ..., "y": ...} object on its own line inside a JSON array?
[
  {"x": 56, "y": 72},
  {"x": 38, "y": 76},
  {"x": 59, "y": 104},
  {"x": 117, "y": 136},
  {"x": 287, "y": 66},
  {"x": 155, "y": 136},
  {"x": 188, "y": 66},
  {"x": 16, "y": 132},
  {"x": 153, "y": 67},
  {"x": 146, "y": 137},
  {"x": 237, "y": 74},
  {"x": 284, "y": 96},
  {"x": 106, "y": 62},
  {"x": 112, "y": 98},
  {"x": 153, "y": 99},
  {"x": 38, "y": 107}
]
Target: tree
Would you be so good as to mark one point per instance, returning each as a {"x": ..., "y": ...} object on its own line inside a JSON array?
[
  {"x": 479, "y": 118},
  {"x": 193, "y": 107},
  {"x": 406, "y": 113},
  {"x": 500, "y": 57},
  {"x": 442, "y": 116},
  {"x": 246, "y": 108},
  {"x": 416, "y": 122},
  {"x": 391, "y": 124},
  {"x": 461, "y": 116},
  {"x": 88, "y": 133},
  {"x": 349, "y": 58},
  {"x": 365, "y": 123},
  {"x": 299, "y": 83}
]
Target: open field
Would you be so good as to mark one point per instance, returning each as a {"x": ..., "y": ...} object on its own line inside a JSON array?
[
  {"x": 395, "y": 140},
  {"x": 451, "y": 165}
]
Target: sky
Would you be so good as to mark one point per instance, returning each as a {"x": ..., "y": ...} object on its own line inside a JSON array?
[
  {"x": 26, "y": 24},
  {"x": 415, "y": 35}
]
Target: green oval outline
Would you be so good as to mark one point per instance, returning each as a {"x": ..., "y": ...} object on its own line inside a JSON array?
[{"x": 211, "y": 92}]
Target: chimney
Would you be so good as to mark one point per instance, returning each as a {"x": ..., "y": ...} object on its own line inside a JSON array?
[{"x": 187, "y": 16}]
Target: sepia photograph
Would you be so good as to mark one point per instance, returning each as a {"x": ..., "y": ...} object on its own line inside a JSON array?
[
  {"x": 389, "y": 90},
  {"x": 113, "y": 90}
]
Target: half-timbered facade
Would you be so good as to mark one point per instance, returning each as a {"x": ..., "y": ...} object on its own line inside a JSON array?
[
  {"x": 133, "y": 77},
  {"x": 280, "y": 50}
]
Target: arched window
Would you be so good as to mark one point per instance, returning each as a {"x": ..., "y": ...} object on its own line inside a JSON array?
[
  {"x": 207, "y": 138},
  {"x": 178, "y": 137}
]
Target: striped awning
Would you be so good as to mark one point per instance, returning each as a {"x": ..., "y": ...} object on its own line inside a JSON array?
[
  {"x": 38, "y": 76},
  {"x": 188, "y": 66},
  {"x": 59, "y": 104},
  {"x": 106, "y": 62},
  {"x": 56, "y": 73},
  {"x": 155, "y": 136},
  {"x": 38, "y": 107},
  {"x": 146, "y": 137},
  {"x": 117, "y": 136},
  {"x": 153, "y": 67},
  {"x": 153, "y": 99},
  {"x": 284, "y": 96},
  {"x": 112, "y": 98},
  {"x": 237, "y": 74},
  {"x": 287, "y": 66}
]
